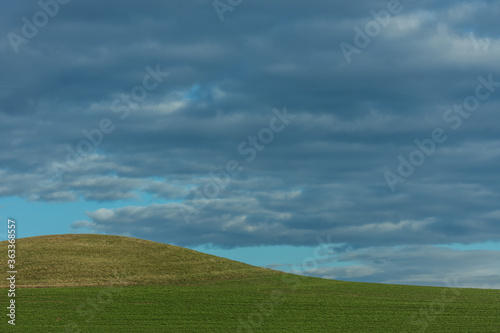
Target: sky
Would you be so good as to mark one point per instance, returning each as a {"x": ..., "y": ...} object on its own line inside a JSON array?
[{"x": 355, "y": 141}]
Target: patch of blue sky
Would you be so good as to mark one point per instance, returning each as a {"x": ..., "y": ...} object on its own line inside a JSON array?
[
  {"x": 492, "y": 246},
  {"x": 278, "y": 257},
  {"x": 52, "y": 218},
  {"x": 193, "y": 94}
]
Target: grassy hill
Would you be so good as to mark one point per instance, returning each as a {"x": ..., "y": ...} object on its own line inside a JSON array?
[
  {"x": 97, "y": 260},
  {"x": 101, "y": 283}
]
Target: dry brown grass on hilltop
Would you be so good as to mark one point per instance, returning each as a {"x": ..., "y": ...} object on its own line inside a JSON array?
[{"x": 97, "y": 260}]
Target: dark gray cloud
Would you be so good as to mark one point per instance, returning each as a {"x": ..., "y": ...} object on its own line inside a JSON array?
[{"x": 322, "y": 174}]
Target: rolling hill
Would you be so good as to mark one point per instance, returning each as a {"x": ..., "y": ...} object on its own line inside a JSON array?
[
  {"x": 99, "y": 283},
  {"x": 96, "y": 260}
]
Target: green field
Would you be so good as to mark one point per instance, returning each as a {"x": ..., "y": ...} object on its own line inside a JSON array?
[{"x": 187, "y": 291}]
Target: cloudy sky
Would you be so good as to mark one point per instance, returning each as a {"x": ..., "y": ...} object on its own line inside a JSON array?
[{"x": 349, "y": 140}]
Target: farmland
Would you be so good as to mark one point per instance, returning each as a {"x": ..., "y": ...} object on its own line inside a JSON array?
[{"x": 102, "y": 283}]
